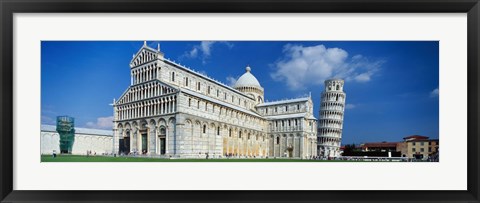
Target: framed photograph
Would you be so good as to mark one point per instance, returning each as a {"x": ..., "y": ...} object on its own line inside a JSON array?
[{"x": 211, "y": 101}]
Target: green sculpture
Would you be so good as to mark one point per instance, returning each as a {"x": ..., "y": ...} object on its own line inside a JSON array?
[{"x": 66, "y": 130}]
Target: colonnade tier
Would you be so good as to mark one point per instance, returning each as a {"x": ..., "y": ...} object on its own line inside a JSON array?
[
  {"x": 145, "y": 73},
  {"x": 147, "y": 108}
]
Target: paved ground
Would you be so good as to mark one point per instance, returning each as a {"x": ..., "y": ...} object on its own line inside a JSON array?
[{"x": 77, "y": 158}]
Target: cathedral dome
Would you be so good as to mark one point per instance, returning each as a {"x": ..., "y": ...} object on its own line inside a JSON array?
[{"x": 247, "y": 80}]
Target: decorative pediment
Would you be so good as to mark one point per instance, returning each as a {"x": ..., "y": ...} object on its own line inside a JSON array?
[{"x": 145, "y": 55}]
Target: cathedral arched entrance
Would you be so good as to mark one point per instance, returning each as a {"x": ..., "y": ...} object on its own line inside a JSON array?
[
  {"x": 162, "y": 141},
  {"x": 124, "y": 143}
]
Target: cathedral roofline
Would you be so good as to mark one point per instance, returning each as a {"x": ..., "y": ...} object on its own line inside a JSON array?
[
  {"x": 284, "y": 101},
  {"x": 207, "y": 78},
  {"x": 196, "y": 94},
  {"x": 285, "y": 116}
]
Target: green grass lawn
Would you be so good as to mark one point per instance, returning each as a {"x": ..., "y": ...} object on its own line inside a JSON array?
[{"x": 78, "y": 158}]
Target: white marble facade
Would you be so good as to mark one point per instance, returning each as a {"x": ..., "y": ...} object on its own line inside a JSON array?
[
  {"x": 96, "y": 141},
  {"x": 171, "y": 111}
]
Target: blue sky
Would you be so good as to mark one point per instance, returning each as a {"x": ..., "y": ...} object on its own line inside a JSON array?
[{"x": 392, "y": 87}]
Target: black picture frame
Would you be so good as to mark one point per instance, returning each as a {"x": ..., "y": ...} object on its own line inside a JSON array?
[{"x": 10, "y": 7}]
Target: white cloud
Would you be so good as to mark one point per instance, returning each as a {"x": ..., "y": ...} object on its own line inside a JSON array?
[
  {"x": 204, "y": 49},
  {"x": 102, "y": 123},
  {"x": 302, "y": 66},
  {"x": 231, "y": 81},
  {"x": 434, "y": 93},
  {"x": 350, "y": 106},
  {"x": 193, "y": 53},
  {"x": 48, "y": 120}
]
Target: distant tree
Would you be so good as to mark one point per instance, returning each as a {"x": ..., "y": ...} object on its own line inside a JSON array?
[{"x": 349, "y": 148}]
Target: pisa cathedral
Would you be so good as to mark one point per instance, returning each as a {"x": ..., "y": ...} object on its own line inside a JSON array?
[{"x": 171, "y": 111}]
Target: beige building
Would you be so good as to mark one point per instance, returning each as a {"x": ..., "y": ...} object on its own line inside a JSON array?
[
  {"x": 171, "y": 110},
  {"x": 420, "y": 147}
]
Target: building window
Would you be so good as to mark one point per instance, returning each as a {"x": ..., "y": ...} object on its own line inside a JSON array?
[
  {"x": 218, "y": 130},
  {"x": 208, "y": 90},
  {"x": 186, "y": 82},
  {"x": 240, "y": 134},
  {"x": 413, "y": 149},
  {"x": 278, "y": 140},
  {"x": 422, "y": 143},
  {"x": 276, "y": 109},
  {"x": 189, "y": 102},
  {"x": 225, "y": 96},
  {"x": 298, "y": 106},
  {"x": 232, "y": 99},
  {"x": 266, "y": 110},
  {"x": 198, "y": 86},
  {"x": 286, "y": 108},
  {"x": 283, "y": 123},
  {"x": 206, "y": 106},
  {"x": 173, "y": 76},
  {"x": 429, "y": 149},
  {"x": 422, "y": 149},
  {"x": 289, "y": 123},
  {"x": 198, "y": 104},
  {"x": 230, "y": 133},
  {"x": 204, "y": 129},
  {"x": 413, "y": 143},
  {"x": 218, "y": 93}
]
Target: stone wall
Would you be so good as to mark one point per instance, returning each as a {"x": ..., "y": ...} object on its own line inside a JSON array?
[{"x": 98, "y": 141}]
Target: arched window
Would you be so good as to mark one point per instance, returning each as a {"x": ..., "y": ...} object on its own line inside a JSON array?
[
  {"x": 278, "y": 140},
  {"x": 198, "y": 104},
  {"x": 240, "y": 134},
  {"x": 173, "y": 76},
  {"x": 186, "y": 82},
  {"x": 230, "y": 133},
  {"x": 204, "y": 128},
  {"x": 162, "y": 131},
  {"x": 189, "y": 102},
  {"x": 218, "y": 130}
]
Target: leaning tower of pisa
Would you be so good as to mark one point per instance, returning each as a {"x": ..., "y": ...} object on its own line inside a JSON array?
[{"x": 330, "y": 122}]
